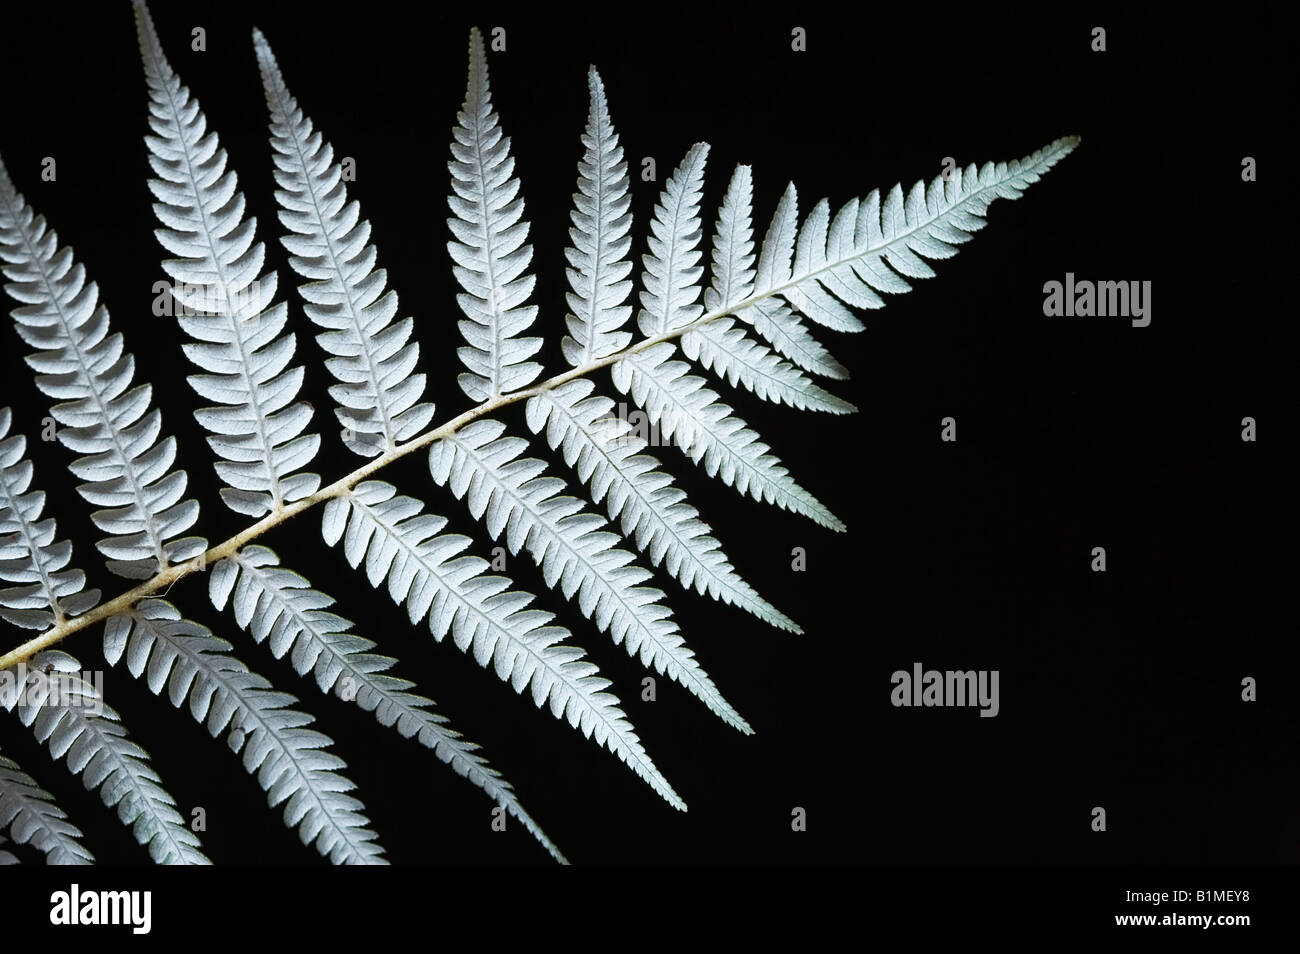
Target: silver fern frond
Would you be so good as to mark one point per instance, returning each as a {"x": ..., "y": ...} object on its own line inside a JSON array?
[{"x": 749, "y": 323}]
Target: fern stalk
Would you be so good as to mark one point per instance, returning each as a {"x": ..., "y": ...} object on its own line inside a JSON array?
[{"x": 178, "y": 571}]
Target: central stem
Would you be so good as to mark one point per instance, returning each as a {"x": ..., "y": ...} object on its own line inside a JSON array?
[{"x": 178, "y": 571}]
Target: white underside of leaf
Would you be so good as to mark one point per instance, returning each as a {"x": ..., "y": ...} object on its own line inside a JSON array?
[
  {"x": 575, "y": 555},
  {"x": 652, "y": 511},
  {"x": 288, "y": 759},
  {"x": 96, "y": 748},
  {"x": 425, "y": 573}
]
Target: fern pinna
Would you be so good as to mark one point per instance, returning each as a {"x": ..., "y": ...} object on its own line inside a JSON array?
[{"x": 597, "y": 540}]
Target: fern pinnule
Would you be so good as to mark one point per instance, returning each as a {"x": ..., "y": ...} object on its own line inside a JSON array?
[
  {"x": 670, "y": 280},
  {"x": 67, "y": 711},
  {"x": 257, "y": 425},
  {"x": 425, "y": 572},
  {"x": 653, "y": 512},
  {"x": 695, "y": 420},
  {"x": 602, "y": 221},
  {"x": 278, "y": 606},
  {"x": 126, "y": 468},
  {"x": 32, "y": 817},
  {"x": 513, "y": 496},
  {"x": 489, "y": 249},
  {"x": 371, "y": 357},
  {"x": 290, "y": 761}
]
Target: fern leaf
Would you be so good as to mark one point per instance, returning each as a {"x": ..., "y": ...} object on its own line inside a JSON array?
[
  {"x": 72, "y": 717},
  {"x": 371, "y": 357},
  {"x": 780, "y": 327},
  {"x": 489, "y": 249},
  {"x": 425, "y": 573},
  {"x": 771, "y": 317},
  {"x": 733, "y": 244},
  {"x": 278, "y": 606},
  {"x": 696, "y": 420},
  {"x": 31, "y": 816},
  {"x": 725, "y": 348},
  {"x": 598, "y": 258},
  {"x": 875, "y": 244},
  {"x": 83, "y": 367},
  {"x": 511, "y": 494},
  {"x": 671, "y": 274},
  {"x": 653, "y": 512},
  {"x": 47, "y": 593},
  {"x": 7, "y": 857},
  {"x": 773, "y": 268},
  {"x": 258, "y": 427},
  {"x": 96, "y": 748},
  {"x": 289, "y": 760}
]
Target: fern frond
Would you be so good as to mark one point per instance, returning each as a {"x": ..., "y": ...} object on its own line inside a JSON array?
[
  {"x": 511, "y": 494},
  {"x": 82, "y": 366},
  {"x": 278, "y": 606},
  {"x": 695, "y": 419},
  {"x": 875, "y": 244},
  {"x": 7, "y": 857},
  {"x": 653, "y": 512},
  {"x": 290, "y": 761},
  {"x": 258, "y": 429},
  {"x": 725, "y": 348},
  {"x": 96, "y": 748},
  {"x": 750, "y": 325},
  {"x": 669, "y": 281},
  {"x": 371, "y": 357},
  {"x": 47, "y": 593},
  {"x": 489, "y": 249},
  {"x": 426, "y": 574},
  {"x": 598, "y": 257},
  {"x": 31, "y": 816}
]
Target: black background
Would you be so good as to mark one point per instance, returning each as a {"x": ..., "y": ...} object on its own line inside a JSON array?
[{"x": 1119, "y": 690}]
